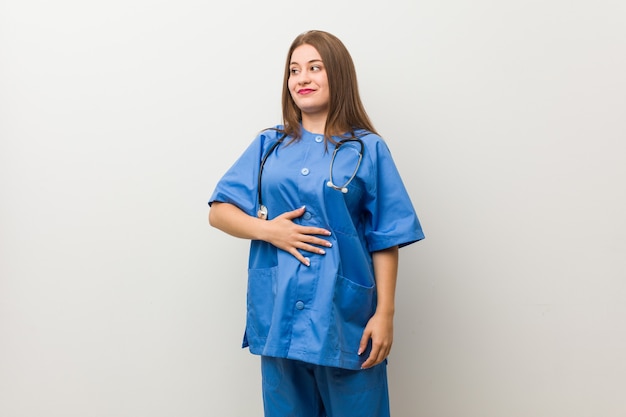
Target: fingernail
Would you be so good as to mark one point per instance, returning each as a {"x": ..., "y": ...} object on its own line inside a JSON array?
[
  {"x": 360, "y": 352},
  {"x": 322, "y": 252},
  {"x": 330, "y": 245}
]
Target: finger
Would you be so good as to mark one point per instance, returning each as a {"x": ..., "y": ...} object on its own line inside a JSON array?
[
  {"x": 312, "y": 240},
  {"x": 368, "y": 363},
  {"x": 383, "y": 353},
  {"x": 372, "y": 358},
  {"x": 311, "y": 231},
  {"x": 377, "y": 355},
  {"x": 311, "y": 244},
  {"x": 363, "y": 343},
  {"x": 303, "y": 259},
  {"x": 293, "y": 213},
  {"x": 313, "y": 249}
]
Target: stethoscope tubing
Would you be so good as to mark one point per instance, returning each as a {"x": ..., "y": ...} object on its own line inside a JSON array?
[
  {"x": 330, "y": 183},
  {"x": 262, "y": 212}
]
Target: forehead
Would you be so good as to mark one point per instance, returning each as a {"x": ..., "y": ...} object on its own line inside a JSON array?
[{"x": 305, "y": 53}]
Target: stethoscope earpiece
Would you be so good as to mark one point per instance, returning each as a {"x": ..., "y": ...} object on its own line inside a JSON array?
[{"x": 343, "y": 189}]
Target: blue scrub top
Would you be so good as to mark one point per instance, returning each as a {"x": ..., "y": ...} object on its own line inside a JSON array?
[{"x": 317, "y": 314}]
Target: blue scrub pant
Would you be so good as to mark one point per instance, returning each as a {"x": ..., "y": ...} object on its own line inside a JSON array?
[{"x": 298, "y": 389}]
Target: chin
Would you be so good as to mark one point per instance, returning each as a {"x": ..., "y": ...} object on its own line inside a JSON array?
[{"x": 313, "y": 110}]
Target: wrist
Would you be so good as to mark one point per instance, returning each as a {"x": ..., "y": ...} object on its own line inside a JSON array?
[
  {"x": 260, "y": 231},
  {"x": 385, "y": 310}
]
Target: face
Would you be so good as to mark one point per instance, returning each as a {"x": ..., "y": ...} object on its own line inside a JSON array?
[{"x": 308, "y": 82}]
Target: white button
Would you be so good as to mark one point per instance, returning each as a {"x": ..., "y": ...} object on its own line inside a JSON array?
[
  {"x": 304, "y": 171},
  {"x": 299, "y": 305},
  {"x": 319, "y": 139}
]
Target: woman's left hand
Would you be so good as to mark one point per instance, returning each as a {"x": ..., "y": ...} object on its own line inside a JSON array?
[{"x": 379, "y": 329}]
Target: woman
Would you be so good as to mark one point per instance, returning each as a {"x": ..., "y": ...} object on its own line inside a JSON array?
[{"x": 326, "y": 211}]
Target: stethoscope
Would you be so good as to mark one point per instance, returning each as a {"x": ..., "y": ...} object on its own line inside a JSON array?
[{"x": 262, "y": 212}]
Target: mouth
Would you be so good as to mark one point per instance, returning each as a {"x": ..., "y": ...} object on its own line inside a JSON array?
[{"x": 305, "y": 91}]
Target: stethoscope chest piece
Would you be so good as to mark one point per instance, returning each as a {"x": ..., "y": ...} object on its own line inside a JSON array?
[{"x": 262, "y": 213}]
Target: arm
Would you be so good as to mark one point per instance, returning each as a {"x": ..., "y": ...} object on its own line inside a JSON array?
[
  {"x": 380, "y": 327},
  {"x": 281, "y": 231}
]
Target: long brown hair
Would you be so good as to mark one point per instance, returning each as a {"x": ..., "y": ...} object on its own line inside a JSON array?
[{"x": 346, "y": 111}]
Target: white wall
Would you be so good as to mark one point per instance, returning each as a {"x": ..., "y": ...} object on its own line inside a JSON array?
[{"x": 507, "y": 120}]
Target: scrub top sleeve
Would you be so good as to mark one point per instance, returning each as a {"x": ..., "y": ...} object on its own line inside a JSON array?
[
  {"x": 390, "y": 217},
  {"x": 238, "y": 186}
]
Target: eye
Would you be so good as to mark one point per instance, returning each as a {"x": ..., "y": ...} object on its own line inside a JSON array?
[
  {"x": 316, "y": 68},
  {"x": 293, "y": 71}
]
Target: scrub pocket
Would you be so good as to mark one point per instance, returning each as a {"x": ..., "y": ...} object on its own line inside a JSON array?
[
  {"x": 353, "y": 305},
  {"x": 261, "y": 294}
]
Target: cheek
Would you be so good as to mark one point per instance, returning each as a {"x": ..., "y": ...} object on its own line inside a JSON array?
[
  {"x": 290, "y": 84},
  {"x": 293, "y": 94},
  {"x": 293, "y": 86},
  {"x": 323, "y": 83},
  {"x": 324, "y": 86}
]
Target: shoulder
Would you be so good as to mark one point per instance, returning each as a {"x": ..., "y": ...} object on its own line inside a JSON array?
[
  {"x": 266, "y": 138},
  {"x": 369, "y": 139},
  {"x": 376, "y": 151},
  {"x": 372, "y": 142},
  {"x": 270, "y": 134}
]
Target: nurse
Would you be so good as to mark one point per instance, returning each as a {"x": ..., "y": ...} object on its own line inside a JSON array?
[{"x": 326, "y": 211}]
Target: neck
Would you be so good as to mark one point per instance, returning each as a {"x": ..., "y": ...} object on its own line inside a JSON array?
[{"x": 314, "y": 123}]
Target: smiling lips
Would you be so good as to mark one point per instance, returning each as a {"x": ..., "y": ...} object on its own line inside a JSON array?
[{"x": 305, "y": 91}]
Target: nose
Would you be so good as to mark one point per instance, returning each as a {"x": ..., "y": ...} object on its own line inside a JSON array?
[{"x": 303, "y": 77}]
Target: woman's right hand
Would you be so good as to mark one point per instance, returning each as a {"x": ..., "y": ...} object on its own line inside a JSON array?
[
  {"x": 281, "y": 231},
  {"x": 286, "y": 235}
]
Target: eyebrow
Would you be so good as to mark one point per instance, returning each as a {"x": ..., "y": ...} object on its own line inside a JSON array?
[{"x": 310, "y": 62}]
